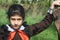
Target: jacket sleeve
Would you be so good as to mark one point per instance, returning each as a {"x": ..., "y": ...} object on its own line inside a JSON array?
[{"x": 39, "y": 27}]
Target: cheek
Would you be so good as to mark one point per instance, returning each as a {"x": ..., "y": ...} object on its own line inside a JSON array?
[
  {"x": 12, "y": 22},
  {"x": 20, "y": 22}
]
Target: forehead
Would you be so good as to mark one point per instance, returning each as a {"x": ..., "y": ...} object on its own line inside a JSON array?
[{"x": 16, "y": 16}]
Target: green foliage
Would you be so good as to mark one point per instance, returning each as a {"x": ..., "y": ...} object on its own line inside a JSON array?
[{"x": 3, "y": 17}]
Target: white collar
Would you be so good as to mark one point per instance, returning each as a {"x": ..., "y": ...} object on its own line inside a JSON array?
[{"x": 11, "y": 29}]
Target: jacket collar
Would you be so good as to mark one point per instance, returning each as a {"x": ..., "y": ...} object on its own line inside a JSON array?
[{"x": 11, "y": 29}]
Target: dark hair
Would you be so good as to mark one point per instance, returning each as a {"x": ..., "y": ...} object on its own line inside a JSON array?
[{"x": 16, "y": 9}]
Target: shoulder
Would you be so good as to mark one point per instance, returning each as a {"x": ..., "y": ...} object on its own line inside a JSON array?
[
  {"x": 4, "y": 32},
  {"x": 27, "y": 29},
  {"x": 3, "y": 27}
]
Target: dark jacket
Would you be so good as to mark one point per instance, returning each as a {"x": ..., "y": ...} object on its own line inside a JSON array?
[{"x": 29, "y": 30}]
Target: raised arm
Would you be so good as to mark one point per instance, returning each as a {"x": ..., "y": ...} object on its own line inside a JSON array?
[{"x": 39, "y": 27}]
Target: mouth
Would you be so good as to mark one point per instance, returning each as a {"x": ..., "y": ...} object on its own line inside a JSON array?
[{"x": 16, "y": 25}]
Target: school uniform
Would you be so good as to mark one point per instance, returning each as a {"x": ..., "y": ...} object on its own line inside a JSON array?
[{"x": 24, "y": 32}]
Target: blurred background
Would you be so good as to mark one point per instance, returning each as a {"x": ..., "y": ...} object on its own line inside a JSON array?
[{"x": 35, "y": 11}]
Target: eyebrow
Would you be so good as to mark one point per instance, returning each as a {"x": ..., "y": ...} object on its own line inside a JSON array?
[
  {"x": 17, "y": 18},
  {"x": 13, "y": 18}
]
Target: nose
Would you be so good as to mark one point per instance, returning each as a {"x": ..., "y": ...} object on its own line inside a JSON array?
[{"x": 16, "y": 22}]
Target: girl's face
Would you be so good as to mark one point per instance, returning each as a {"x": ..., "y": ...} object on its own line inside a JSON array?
[{"x": 16, "y": 21}]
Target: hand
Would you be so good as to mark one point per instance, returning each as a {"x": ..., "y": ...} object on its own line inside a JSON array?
[{"x": 57, "y": 2}]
